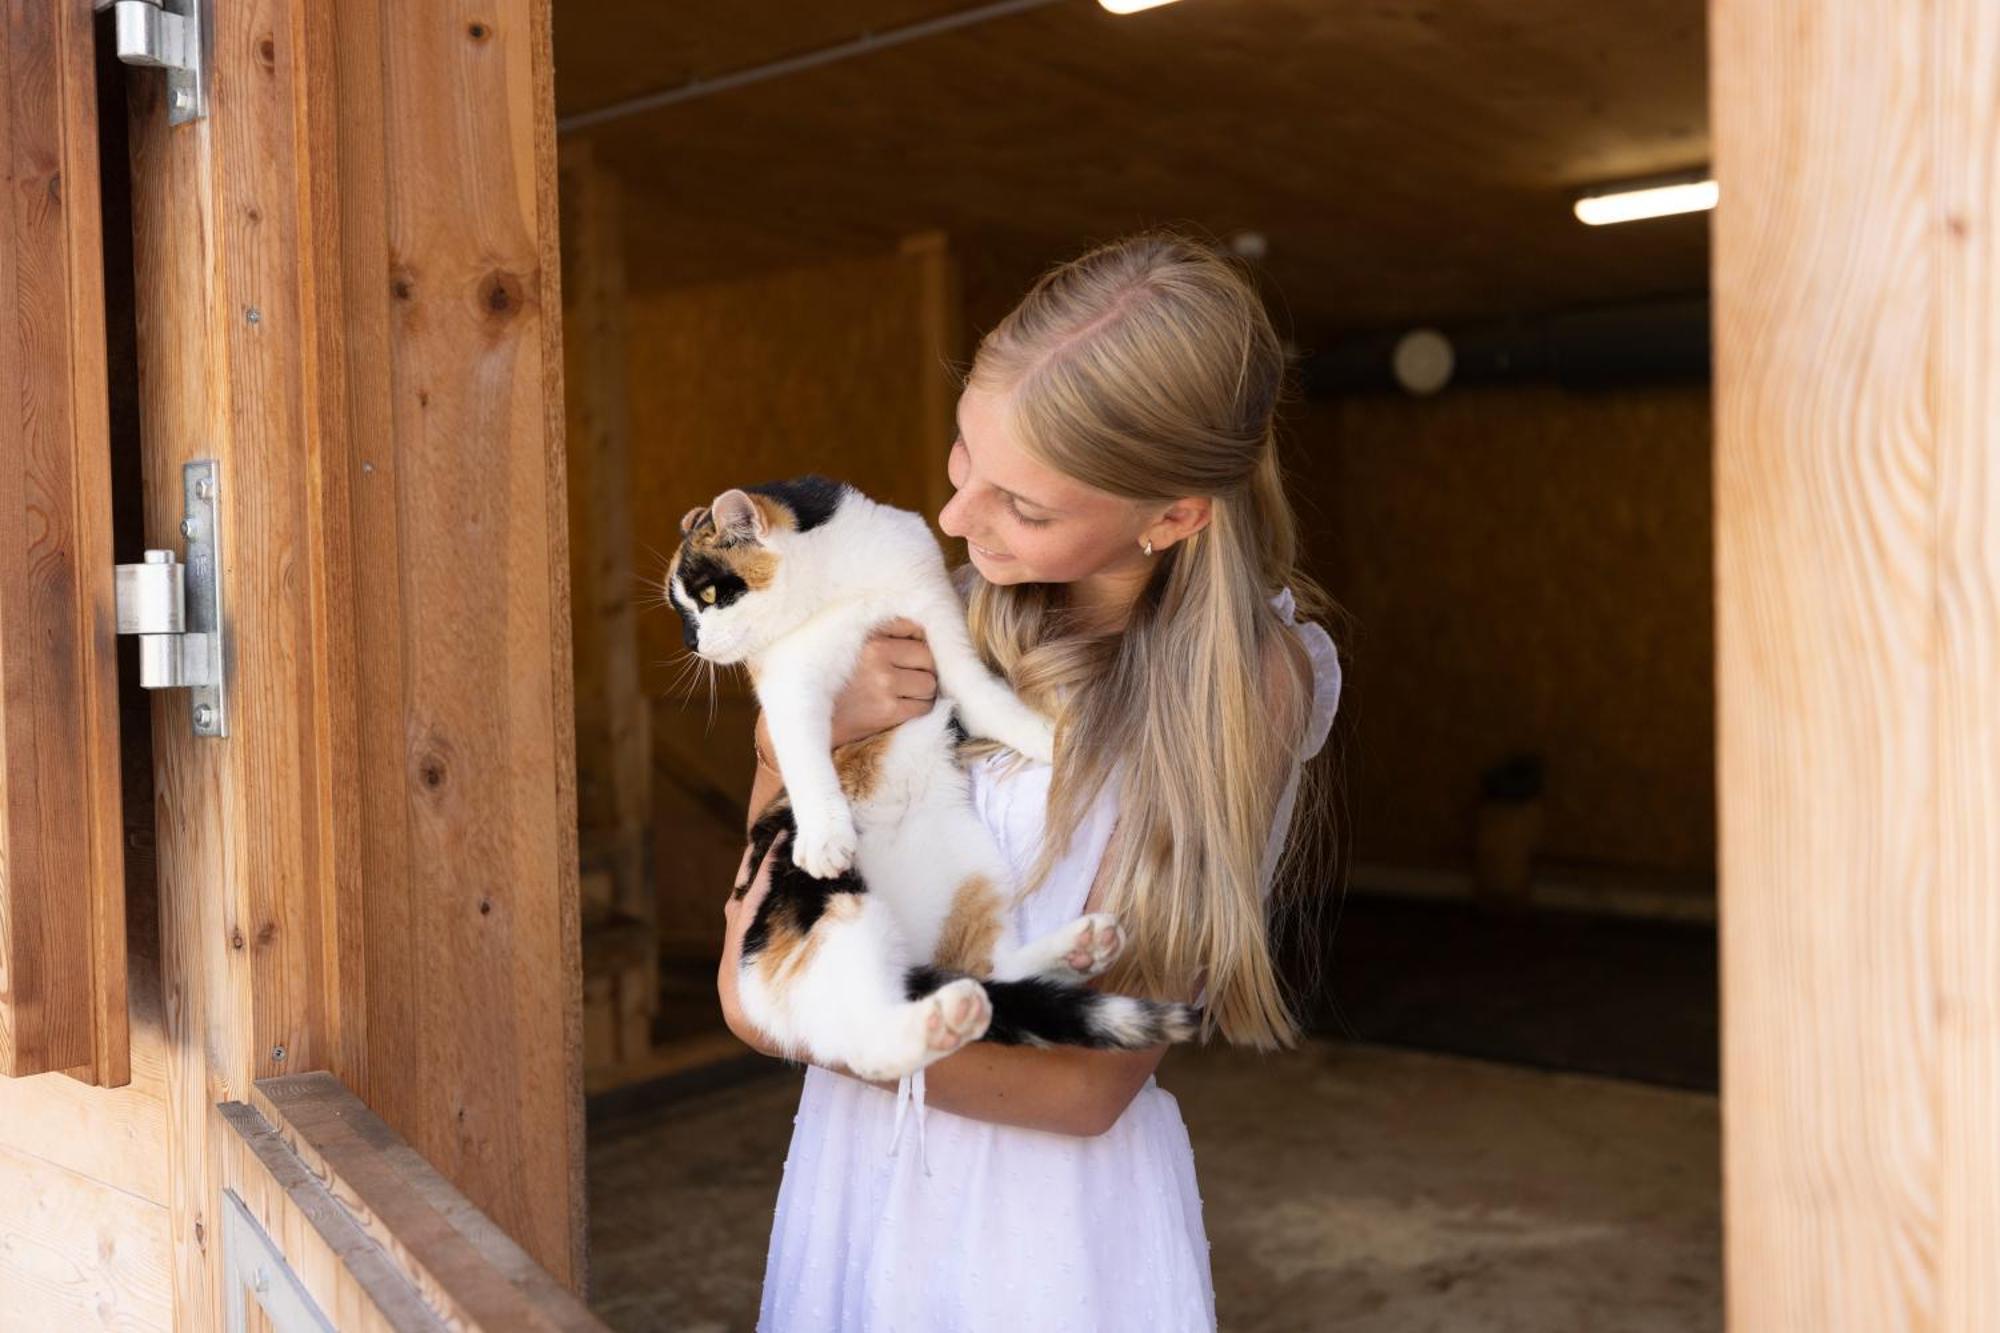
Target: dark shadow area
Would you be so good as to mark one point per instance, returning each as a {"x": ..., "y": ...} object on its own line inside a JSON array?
[{"x": 1622, "y": 998}]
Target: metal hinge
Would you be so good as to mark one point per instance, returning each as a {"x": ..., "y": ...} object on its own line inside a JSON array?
[
  {"x": 176, "y": 609},
  {"x": 170, "y": 35}
]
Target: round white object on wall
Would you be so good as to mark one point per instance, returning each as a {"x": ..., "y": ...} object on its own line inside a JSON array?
[
  {"x": 1423, "y": 361},
  {"x": 1250, "y": 245}
]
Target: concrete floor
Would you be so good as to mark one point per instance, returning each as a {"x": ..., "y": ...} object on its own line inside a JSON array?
[{"x": 1346, "y": 1187}]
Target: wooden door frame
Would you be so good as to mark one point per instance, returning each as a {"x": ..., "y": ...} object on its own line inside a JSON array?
[
  {"x": 348, "y": 293},
  {"x": 1857, "y": 527}
]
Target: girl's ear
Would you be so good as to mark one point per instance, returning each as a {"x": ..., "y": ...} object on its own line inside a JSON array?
[
  {"x": 737, "y": 516},
  {"x": 691, "y": 519},
  {"x": 1183, "y": 519}
]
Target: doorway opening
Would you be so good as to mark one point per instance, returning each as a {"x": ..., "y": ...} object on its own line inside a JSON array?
[{"x": 784, "y": 233}]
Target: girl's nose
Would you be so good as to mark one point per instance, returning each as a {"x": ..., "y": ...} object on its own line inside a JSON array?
[{"x": 951, "y": 518}]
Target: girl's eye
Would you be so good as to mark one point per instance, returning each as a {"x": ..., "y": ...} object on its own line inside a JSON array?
[
  {"x": 1022, "y": 518},
  {"x": 708, "y": 595}
]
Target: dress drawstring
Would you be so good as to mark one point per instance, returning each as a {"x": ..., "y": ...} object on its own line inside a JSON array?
[{"x": 909, "y": 1090}]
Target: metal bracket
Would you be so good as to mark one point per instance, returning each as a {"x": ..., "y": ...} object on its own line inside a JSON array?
[
  {"x": 176, "y": 609},
  {"x": 254, "y": 1268},
  {"x": 171, "y": 35}
]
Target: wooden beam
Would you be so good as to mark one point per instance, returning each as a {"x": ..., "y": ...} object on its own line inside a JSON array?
[
  {"x": 1857, "y": 288},
  {"x": 371, "y": 1228},
  {"x": 62, "y": 891}
]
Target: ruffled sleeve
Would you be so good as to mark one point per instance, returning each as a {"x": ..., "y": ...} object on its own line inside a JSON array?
[{"x": 1326, "y": 701}]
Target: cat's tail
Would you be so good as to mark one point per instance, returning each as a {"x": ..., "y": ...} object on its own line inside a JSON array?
[{"x": 1040, "y": 1011}]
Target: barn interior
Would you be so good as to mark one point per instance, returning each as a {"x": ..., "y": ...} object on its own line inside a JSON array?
[{"x": 785, "y": 228}]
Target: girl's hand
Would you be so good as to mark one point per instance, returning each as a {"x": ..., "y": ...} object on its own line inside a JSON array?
[
  {"x": 894, "y": 681},
  {"x": 737, "y": 914}
]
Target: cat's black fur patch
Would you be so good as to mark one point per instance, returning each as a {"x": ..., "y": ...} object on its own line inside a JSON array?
[
  {"x": 1034, "y": 1011},
  {"x": 698, "y": 571},
  {"x": 796, "y": 899},
  {"x": 812, "y": 499},
  {"x": 959, "y": 735}
]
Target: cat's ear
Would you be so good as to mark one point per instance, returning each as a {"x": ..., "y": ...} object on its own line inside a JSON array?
[
  {"x": 692, "y": 519},
  {"x": 737, "y": 516}
]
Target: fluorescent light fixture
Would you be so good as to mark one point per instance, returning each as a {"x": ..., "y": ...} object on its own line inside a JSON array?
[
  {"x": 1652, "y": 201},
  {"x": 1132, "y": 6}
]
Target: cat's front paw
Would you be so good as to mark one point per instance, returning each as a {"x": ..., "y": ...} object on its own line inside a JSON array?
[
  {"x": 826, "y": 844},
  {"x": 1036, "y": 738},
  {"x": 1087, "y": 946}
]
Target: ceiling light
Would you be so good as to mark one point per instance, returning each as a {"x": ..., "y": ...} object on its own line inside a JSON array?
[
  {"x": 1633, "y": 202},
  {"x": 1132, "y": 6}
]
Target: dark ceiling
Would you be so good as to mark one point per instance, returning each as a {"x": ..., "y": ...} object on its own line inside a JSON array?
[{"x": 1407, "y": 160}]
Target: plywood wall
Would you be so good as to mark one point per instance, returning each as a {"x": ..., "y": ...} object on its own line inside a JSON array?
[
  {"x": 843, "y": 368},
  {"x": 1528, "y": 569}
]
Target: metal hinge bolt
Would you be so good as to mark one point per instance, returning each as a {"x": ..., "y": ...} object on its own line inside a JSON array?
[{"x": 175, "y": 609}]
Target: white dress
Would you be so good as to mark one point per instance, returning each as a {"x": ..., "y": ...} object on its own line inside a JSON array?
[{"x": 963, "y": 1226}]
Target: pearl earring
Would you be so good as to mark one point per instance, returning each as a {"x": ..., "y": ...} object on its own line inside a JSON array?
[{"x": 1147, "y": 546}]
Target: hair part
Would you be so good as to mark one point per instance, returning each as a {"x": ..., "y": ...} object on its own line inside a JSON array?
[{"x": 1149, "y": 368}]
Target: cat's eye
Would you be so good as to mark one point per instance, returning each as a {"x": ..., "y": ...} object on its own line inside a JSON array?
[{"x": 708, "y": 595}]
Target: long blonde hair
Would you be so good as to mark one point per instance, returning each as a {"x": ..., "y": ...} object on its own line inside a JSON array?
[{"x": 1149, "y": 368}]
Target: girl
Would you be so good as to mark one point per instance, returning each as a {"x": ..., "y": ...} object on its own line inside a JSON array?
[{"x": 1132, "y": 575}]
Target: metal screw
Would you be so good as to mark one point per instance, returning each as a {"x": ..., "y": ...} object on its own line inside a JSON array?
[
  {"x": 180, "y": 99},
  {"x": 261, "y": 1283},
  {"x": 205, "y": 488},
  {"x": 277, "y": 1055},
  {"x": 253, "y": 314},
  {"x": 189, "y": 527},
  {"x": 204, "y": 717}
]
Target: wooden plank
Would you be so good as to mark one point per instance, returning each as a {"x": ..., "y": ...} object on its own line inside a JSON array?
[
  {"x": 312, "y": 1134},
  {"x": 1858, "y": 576},
  {"x": 77, "y": 1254},
  {"x": 474, "y": 1023},
  {"x": 62, "y": 917}
]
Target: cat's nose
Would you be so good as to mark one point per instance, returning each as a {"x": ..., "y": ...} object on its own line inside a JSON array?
[{"x": 690, "y": 638}]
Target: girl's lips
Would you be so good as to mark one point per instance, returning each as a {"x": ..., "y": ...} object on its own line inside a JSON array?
[{"x": 981, "y": 551}]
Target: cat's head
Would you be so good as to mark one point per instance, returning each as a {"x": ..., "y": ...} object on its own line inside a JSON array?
[{"x": 729, "y": 580}]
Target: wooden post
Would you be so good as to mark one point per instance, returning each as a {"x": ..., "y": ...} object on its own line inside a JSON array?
[
  {"x": 614, "y": 739},
  {"x": 1857, "y": 289}
]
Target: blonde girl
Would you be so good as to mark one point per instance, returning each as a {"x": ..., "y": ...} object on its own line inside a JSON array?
[{"x": 1133, "y": 574}]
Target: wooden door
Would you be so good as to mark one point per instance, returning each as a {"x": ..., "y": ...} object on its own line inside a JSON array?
[
  {"x": 346, "y": 294},
  {"x": 62, "y": 915}
]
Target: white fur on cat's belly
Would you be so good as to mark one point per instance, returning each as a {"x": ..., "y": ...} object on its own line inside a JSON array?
[
  {"x": 865, "y": 565},
  {"x": 919, "y": 840},
  {"x": 915, "y": 838}
]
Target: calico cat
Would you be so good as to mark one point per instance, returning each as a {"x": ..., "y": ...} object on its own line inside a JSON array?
[{"x": 882, "y": 944}]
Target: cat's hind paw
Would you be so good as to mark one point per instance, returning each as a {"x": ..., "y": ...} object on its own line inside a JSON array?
[{"x": 927, "y": 1030}]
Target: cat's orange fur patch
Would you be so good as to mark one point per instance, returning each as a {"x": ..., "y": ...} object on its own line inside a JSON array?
[
  {"x": 971, "y": 929},
  {"x": 859, "y": 764},
  {"x": 788, "y": 951},
  {"x": 774, "y": 513}
]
